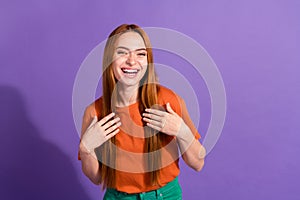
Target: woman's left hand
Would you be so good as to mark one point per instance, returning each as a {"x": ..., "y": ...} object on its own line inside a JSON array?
[{"x": 167, "y": 122}]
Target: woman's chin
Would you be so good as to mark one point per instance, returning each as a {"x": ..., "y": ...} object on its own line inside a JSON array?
[{"x": 129, "y": 82}]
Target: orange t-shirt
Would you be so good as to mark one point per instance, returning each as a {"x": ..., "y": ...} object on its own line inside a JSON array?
[{"x": 130, "y": 143}]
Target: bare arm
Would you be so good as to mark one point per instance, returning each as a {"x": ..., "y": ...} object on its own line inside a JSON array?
[
  {"x": 94, "y": 134},
  {"x": 192, "y": 151},
  {"x": 89, "y": 164}
]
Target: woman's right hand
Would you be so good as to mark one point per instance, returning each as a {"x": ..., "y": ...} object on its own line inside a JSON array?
[{"x": 99, "y": 132}]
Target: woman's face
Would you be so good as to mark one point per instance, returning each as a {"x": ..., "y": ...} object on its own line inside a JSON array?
[{"x": 129, "y": 59}]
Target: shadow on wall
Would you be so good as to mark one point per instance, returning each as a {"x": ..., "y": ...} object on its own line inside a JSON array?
[{"x": 31, "y": 168}]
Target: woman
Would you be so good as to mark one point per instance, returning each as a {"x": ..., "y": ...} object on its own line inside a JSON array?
[{"x": 131, "y": 134}]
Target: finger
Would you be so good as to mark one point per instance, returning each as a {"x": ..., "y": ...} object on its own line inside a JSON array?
[
  {"x": 112, "y": 134},
  {"x": 154, "y": 127},
  {"x": 152, "y": 116},
  {"x": 94, "y": 121},
  {"x": 153, "y": 122},
  {"x": 110, "y": 123},
  {"x": 106, "y": 118},
  {"x": 156, "y": 112},
  {"x": 112, "y": 128},
  {"x": 169, "y": 109}
]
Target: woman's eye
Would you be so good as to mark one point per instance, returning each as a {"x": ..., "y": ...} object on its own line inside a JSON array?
[
  {"x": 121, "y": 52},
  {"x": 141, "y": 54}
]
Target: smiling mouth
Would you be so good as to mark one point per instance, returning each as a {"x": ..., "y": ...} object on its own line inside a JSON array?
[{"x": 130, "y": 71}]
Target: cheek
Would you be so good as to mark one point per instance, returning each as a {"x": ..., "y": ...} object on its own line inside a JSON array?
[
  {"x": 142, "y": 61},
  {"x": 117, "y": 61},
  {"x": 145, "y": 67}
]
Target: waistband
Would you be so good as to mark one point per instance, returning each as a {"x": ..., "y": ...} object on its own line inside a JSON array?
[{"x": 143, "y": 195}]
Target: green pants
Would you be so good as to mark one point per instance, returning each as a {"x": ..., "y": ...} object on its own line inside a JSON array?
[{"x": 171, "y": 191}]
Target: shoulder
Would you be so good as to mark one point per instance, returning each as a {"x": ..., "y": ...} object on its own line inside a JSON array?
[
  {"x": 90, "y": 112},
  {"x": 167, "y": 95},
  {"x": 93, "y": 109}
]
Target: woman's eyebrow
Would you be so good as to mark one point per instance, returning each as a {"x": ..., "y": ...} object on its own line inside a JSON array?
[{"x": 121, "y": 47}]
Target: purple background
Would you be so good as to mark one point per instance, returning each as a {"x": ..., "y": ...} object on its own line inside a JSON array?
[{"x": 255, "y": 45}]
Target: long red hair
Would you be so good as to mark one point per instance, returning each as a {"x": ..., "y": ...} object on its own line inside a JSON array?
[{"x": 148, "y": 96}]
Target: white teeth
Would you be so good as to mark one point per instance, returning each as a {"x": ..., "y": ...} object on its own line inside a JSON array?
[{"x": 130, "y": 70}]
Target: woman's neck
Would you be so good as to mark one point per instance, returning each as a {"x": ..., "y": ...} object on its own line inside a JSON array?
[{"x": 127, "y": 95}]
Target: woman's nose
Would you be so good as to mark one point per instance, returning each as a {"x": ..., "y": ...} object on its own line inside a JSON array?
[{"x": 131, "y": 60}]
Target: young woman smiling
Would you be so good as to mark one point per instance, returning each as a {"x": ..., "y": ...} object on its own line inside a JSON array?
[{"x": 131, "y": 134}]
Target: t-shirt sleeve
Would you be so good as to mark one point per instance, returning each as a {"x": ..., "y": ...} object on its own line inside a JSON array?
[{"x": 186, "y": 118}]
